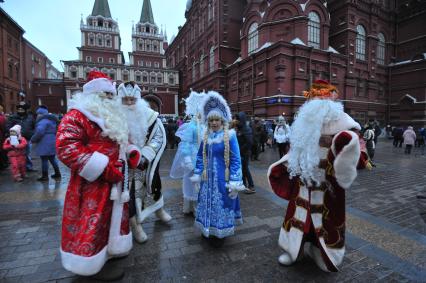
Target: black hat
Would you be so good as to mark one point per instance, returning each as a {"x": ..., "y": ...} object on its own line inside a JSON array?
[{"x": 22, "y": 105}]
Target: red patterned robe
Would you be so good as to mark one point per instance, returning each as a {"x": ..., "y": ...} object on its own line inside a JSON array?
[
  {"x": 88, "y": 237},
  {"x": 316, "y": 214}
]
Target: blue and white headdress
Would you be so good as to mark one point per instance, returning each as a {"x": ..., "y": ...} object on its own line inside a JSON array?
[
  {"x": 214, "y": 105},
  {"x": 129, "y": 90},
  {"x": 193, "y": 103}
]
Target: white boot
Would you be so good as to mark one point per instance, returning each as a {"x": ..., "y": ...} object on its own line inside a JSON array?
[
  {"x": 285, "y": 259},
  {"x": 138, "y": 233},
  {"x": 163, "y": 215},
  {"x": 186, "y": 206}
]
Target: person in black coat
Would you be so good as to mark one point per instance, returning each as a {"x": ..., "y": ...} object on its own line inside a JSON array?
[
  {"x": 245, "y": 142},
  {"x": 27, "y": 123}
]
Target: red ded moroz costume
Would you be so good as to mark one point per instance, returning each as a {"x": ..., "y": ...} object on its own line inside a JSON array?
[
  {"x": 94, "y": 227},
  {"x": 313, "y": 176}
]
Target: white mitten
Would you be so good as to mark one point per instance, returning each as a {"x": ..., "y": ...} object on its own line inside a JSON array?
[
  {"x": 196, "y": 180},
  {"x": 234, "y": 188}
]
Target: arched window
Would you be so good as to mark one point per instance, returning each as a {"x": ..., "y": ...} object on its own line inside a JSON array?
[
  {"x": 91, "y": 39},
  {"x": 99, "y": 39},
  {"x": 211, "y": 62},
  {"x": 145, "y": 77},
  {"x": 202, "y": 65},
  {"x": 360, "y": 43},
  {"x": 138, "y": 76},
  {"x": 108, "y": 41},
  {"x": 141, "y": 45},
  {"x": 381, "y": 49},
  {"x": 314, "y": 30},
  {"x": 159, "y": 78},
  {"x": 253, "y": 38},
  {"x": 153, "y": 78}
]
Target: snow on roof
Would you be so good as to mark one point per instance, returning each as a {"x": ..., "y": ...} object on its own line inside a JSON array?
[
  {"x": 332, "y": 50},
  {"x": 297, "y": 41}
]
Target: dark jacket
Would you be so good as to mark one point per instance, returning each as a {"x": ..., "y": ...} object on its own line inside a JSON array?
[
  {"x": 45, "y": 135},
  {"x": 244, "y": 135},
  {"x": 25, "y": 121}
]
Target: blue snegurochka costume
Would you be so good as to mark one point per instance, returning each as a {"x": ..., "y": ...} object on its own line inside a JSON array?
[
  {"x": 191, "y": 135},
  {"x": 218, "y": 168}
]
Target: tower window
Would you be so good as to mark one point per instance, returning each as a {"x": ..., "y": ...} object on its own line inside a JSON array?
[
  {"x": 88, "y": 59},
  {"x": 253, "y": 38},
  {"x": 381, "y": 49},
  {"x": 360, "y": 43},
  {"x": 314, "y": 30}
]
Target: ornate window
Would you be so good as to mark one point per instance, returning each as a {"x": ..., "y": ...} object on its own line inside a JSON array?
[
  {"x": 153, "y": 78},
  {"x": 125, "y": 75},
  {"x": 91, "y": 39},
  {"x": 100, "y": 60},
  {"x": 360, "y": 43},
  {"x": 148, "y": 45},
  {"x": 88, "y": 58},
  {"x": 156, "y": 65},
  {"x": 381, "y": 49},
  {"x": 99, "y": 40},
  {"x": 211, "y": 61},
  {"x": 141, "y": 45},
  {"x": 111, "y": 60},
  {"x": 108, "y": 41},
  {"x": 171, "y": 79},
  {"x": 314, "y": 30},
  {"x": 253, "y": 38},
  {"x": 145, "y": 77},
  {"x": 138, "y": 77},
  {"x": 202, "y": 65},
  {"x": 159, "y": 78}
]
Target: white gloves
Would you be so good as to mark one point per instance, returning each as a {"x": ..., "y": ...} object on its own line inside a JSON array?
[
  {"x": 196, "y": 180},
  {"x": 233, "y": 188}
]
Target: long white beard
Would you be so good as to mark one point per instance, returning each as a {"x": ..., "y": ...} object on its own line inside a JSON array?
[
  {"x": 137, "y": 122},
  {"x": 109, "y": 111},
  {"x": 304, "y": 154}
]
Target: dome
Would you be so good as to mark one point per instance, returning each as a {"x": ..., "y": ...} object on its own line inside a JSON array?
[{"x": 188, "y": 5}]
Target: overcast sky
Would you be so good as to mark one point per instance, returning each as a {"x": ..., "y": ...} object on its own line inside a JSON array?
[{"x": 53, "y": 26}]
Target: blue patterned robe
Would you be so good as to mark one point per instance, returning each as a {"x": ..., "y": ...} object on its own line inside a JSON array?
[{"x": 217, "y": 213}]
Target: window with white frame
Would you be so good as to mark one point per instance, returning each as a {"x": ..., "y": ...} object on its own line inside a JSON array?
[
  {"x": 314, "y": 30},
  {"x": 253, "y": 38},
  {"x": 138, "y": 77},
  {"x": 111, "y": 60},
  {"x": 145, "y": 77},
  {"x": 140, "y": 44},
  {"x": 140, "y": 63},
  {"x": 211, "y": 61},
  {"x": 108, "y": 41},
  {"x": 100, "y": 60},
  {"x": 148, "y": 63},
  {"x": 156, "y": 65},
  {"x": 360, "y": 43},
  {"x": 88, "y": 58},
  {"x": 381, "y": 49},
  {"x": 153, "y": 78},
  {"x": 171, "y": 79},
  {"x": 159, "y": 78},
  {"x": 99, "y": 39},
  {"x": 202, "y": 66}
]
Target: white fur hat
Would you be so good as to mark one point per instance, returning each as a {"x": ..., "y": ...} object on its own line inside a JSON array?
[
  {"x": 98, "y": 82},
  {"x": 193, "y": 103}
]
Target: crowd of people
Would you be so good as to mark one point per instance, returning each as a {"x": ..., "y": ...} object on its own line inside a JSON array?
[
  {"x": 19, "y": 132},
  {"x": 113, "y": 142}
]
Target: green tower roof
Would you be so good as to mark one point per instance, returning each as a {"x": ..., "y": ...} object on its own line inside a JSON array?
[
  {"x": 147, "y": 15},
  {"x": 101, "y": 8}
]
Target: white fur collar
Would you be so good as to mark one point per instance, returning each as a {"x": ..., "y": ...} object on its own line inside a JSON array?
[
  {"x": 89, "y": 115},
  {"x": 217, "y": 137}
]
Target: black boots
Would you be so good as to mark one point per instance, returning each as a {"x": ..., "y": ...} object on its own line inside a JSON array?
[
  {"x": 57, "y": 174},
  {"x": 44, "y": 177}
]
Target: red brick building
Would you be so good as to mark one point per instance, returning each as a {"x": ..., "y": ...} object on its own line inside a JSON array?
[
  {"x": 21, "y": 63},
  {"x": 101, "y": 50},
  {"x": 262, "y": 54}
]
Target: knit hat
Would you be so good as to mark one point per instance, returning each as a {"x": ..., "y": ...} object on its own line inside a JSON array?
[
  {"x": 98, "y": 82},
  {"x": 16, "y": 129},
  {"x": 321, "y": 89}
]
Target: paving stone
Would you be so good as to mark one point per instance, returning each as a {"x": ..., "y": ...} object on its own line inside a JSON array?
[
  {"x": 40, "y": 260},
  {"x": 20, "y": 271},
  {"x": 9, "y": 223},
  {"x": 28, "y": 230}
]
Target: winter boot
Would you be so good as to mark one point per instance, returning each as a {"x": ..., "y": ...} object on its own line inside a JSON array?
[
  {"x": 285, "y": 259},
  {"x": 163, "y": 215},
  {"x": 138, "y": 233},
  {"x": 44, "y": 177}
]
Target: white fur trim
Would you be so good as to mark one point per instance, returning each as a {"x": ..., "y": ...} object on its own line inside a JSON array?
[
  {"x": 304, "y": 193},
  {"x": 317, "y": 220},
  {"x": 114, "y": 193},
  {"x": 300, "y": 213},
  {"x": 282, "y": 160},
  {"x": 85, "y": 266},
  {"x": 207, "y": 111},
  {"x": 118, "y": 244},
  {"x": 148, "y": 153},
  {"x": 98, "y": 121},
  {"x": 315, "y": 254},
  {"x": 195, "y": 179},
  {"x": 146, "y": 212},
  {"x": 94, "y": 167},
  {"x": 344, "y": 122},
  {"x": 154, "y": 163},
  {"x": 345, "y": 163},
  {"x": 131, "y": 148},
  {"x": 317, "y": 197},
  {"x": 291, "y": 241},
  {"x": 99, "y": 85},
  {"x": 335, "y": 255}
]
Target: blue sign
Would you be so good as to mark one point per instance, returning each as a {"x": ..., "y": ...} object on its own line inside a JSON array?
[{"x": 272, "y": 101}]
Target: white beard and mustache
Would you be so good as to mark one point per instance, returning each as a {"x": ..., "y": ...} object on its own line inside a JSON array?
[
  {"x": 137, "y": 121},
  {"x": 109, "y": 110}
]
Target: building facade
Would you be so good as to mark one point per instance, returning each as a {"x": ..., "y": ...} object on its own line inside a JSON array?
[
  {"x": 262, "y": 54},
  {"x": 101, "y": 50}
]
